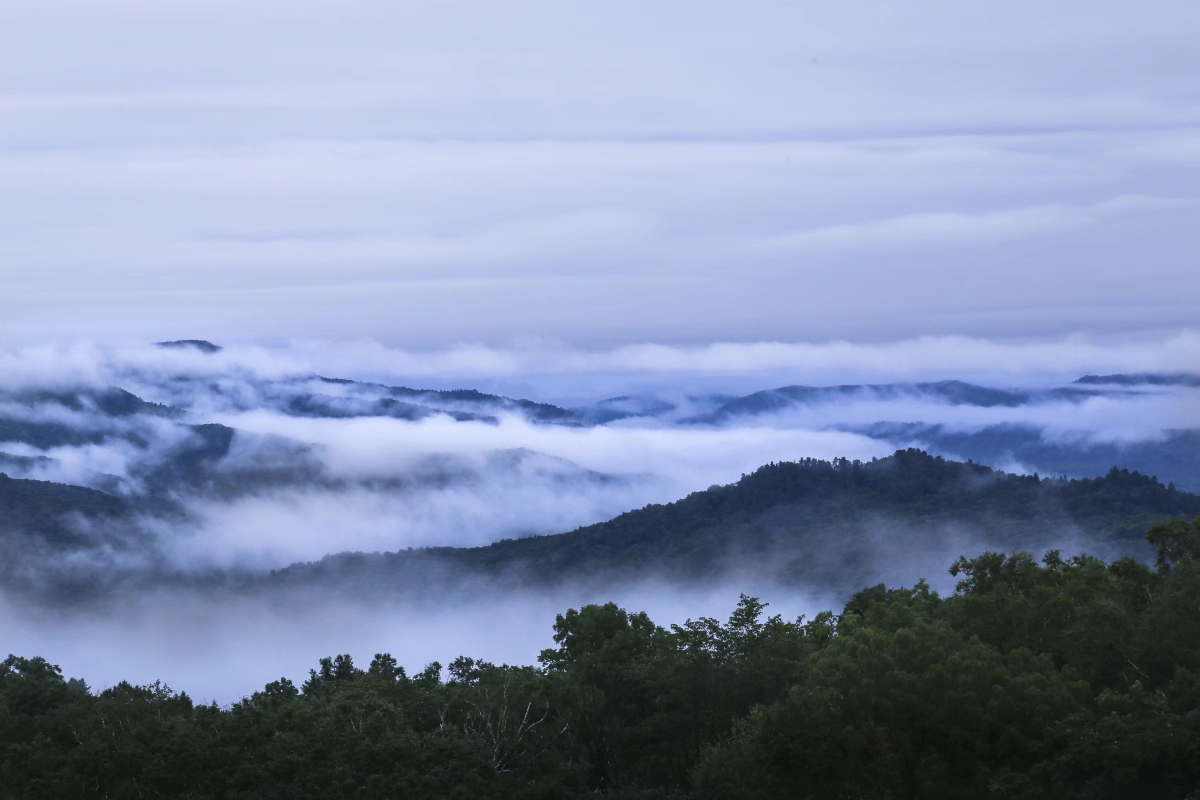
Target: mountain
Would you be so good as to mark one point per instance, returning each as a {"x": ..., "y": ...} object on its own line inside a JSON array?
[
  {"x": 341, "y": 398},
  {"x": 365, "y": 399},
  {"x": 819, "y": 525},
  {"x": 663, "y": 410},
  {"x": 624, "y": 407},
  {"x": 72, "y": 417},
  {"x": 192, "y": 344},
  {"x": 168, "y": 451},
  {"x": 26, "y": 501},
  {"x": 954, "y": 393},
  {"x": 1173, "y": 458},
  {"x": 1142, "y": 379},
  {"x": 44, "y": 512}
]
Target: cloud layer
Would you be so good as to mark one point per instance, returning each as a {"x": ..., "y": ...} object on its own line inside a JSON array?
[
  {"x": 441, "y": 173},
  {"x": 547, "y": 370}
]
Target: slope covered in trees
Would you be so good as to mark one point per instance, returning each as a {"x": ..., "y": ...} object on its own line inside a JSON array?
[
  {"x": 820, "y": 524},
  {"x": 1175, "y": 454},
  {"x": 956, "y": 393},
  {"x": 28, "y": 504},
  {"x": 1068, "y": 678}
]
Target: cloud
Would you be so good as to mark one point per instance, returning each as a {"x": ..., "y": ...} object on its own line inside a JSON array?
[
  {"x": 1136, "y": 417},
  {"x": 544, "y": 369},
  {"x": 436, "y": 482},
  {"x": 537, "y": 69},
  {"x": 944, "y": 227},
  {"x": 376, "y": 446},
  {"x": 470, "y": 175},
  {"x": 544, "y": 366}
]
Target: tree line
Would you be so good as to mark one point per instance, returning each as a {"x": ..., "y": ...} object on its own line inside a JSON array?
[{"x": 1051, "y": 678}]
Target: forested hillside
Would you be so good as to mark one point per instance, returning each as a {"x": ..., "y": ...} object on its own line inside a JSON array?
[
  {"x": 1072, "y": 678},
  {"x": 814, "y": 525},
  {"x": 817, "y": 524},
  {"x": 1172, "y": 456},
  {"x": 47, "y": 507}
]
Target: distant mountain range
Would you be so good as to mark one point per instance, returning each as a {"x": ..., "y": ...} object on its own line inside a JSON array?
[
  {"x": 182, "y": 449},
  {"x": 1142, "y": 379},
  {"x": 1175, "y": 457},
  {"x": 956, "y": 393},
  {"x": 401, "y": 402},
  {"x": 162, "y": 451}
]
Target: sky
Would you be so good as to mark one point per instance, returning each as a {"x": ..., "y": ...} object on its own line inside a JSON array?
[{"x": 599, "y": 175}]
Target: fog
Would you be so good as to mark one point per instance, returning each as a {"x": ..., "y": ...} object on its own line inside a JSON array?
[
  {"x": 221, "y": 649},
  {"x": 342, "y": 475},
  {"x": 221, "y": 646},
  {"x": 546, "y": 369},
  {"x": 304, "y": 467},
  {"x": 1128, "y": 417}
]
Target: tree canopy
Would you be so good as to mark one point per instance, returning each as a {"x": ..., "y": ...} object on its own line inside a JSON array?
[{"x": 1065, "y": 677}]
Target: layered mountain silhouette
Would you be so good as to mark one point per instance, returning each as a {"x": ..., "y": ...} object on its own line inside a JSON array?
[
  {"x": 377, "y": 400},
  {"x": 956, "y": 393},
  {"x": 1142, "y": 379},
  {"x": 818, "y": 525},
  {"x": 1175, "y": 456}
]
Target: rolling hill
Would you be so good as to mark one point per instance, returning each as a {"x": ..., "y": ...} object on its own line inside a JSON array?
[{"x": 815, "y": 524}]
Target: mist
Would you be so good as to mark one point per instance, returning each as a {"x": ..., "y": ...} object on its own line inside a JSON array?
[
  {"x": 218, "y": 648},
  {"x": 314, "y": 467},
  {"x": 239, "y": 461}
]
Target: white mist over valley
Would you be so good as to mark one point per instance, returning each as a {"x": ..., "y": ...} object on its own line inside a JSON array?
[{"x": 229, "y": 462}]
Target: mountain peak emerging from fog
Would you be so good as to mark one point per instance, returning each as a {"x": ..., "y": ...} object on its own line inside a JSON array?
[{"x": 194, "y": 344}]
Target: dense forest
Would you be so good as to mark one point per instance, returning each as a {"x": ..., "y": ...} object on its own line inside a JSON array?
[
  {"x": 813, "y": 525},
  {"x": 1068, "y": 678}
]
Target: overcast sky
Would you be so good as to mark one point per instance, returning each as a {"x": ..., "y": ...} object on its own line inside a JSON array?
[{"x": 598, "y": 174}]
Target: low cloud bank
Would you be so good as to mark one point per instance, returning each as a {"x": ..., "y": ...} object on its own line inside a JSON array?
[{"x": 544, "y": 368}]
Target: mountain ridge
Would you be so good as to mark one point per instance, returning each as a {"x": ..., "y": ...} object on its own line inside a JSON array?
[
  {"x": 804, "y": 518},
  {"x": 953, "y": 392}
]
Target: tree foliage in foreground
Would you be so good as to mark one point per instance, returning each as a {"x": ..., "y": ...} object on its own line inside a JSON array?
[{"x": 1064, "y": 678}]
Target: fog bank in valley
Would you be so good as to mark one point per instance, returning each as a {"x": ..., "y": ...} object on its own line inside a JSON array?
[
  {"x": 222, "y": 648},
  {"x": 234, "y": 461}
]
